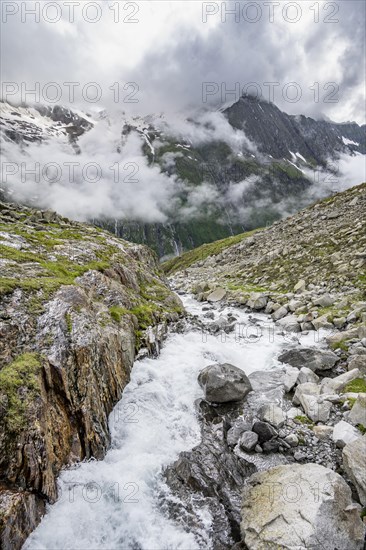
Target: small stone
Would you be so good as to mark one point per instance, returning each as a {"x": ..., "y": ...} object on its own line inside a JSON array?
[
  {"x": 299, "y": 455},
  {"x": 292, "y": 440},
  {"x": 264, "y": 430},
  {"x": 300, "y": 286},
  {"x": 323, "y": 432}
]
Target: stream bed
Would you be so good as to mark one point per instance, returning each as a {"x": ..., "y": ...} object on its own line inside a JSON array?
[{"x": 115, "y": 503}]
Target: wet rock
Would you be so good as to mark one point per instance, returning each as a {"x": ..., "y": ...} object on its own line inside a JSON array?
[
  {"x": 248, "y": 441},
  {"x": 312, "y": 358},
  {"x": 217, "y": 295},
  {"x": 209, "y": 476},
  {"x": 224, "y": 383},
  {"x": 271, "y": 446},
  {"x": 353, "y": 455},
  {"x": 20, "y": 512},
  {"x": 240, "y": 425},
  {"x": 264, "y": 430},
  {"x": 279, "y": 510},
  {"x": 272, "y": 414}
]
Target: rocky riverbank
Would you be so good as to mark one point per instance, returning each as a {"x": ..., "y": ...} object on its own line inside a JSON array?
[
  {"x": 303, "y": 422},
  {"x": 281, "y": 458},
  {"x": 75, "y": 307},
  {"x": 282, "y": 407}
]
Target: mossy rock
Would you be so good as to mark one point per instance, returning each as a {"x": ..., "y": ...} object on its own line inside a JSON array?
[{"x": 19, "y": 386}]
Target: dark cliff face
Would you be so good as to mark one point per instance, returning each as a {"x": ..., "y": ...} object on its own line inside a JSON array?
[
  {"x": 277, "y": 133},
  {"x": 75, "y": 303}
]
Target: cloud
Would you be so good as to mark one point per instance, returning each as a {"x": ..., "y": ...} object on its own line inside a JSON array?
[
  {"x": 100, "y": 181},
  {"x": 206, "y": 127},
  {"x": 169, "y": 52}
]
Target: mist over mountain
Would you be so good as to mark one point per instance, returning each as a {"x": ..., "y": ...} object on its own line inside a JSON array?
[{"x": 171, "y": 181}]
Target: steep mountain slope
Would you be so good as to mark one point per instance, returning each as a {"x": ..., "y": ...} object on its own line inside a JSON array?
[
  {"x": 277, "y": 133},
  {"x": 228, "y": 172},
  {"x": 323, "y": 246},
  {"x": 76, "y": 305}
]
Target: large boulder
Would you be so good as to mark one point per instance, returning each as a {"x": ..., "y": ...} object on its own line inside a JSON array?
[
  {"x": 307, "y": 375},
  {"x": 354, "y": 464},
  {"x": 217, "y": 295},
  {"x": 344, "y": 433},
  {"x": 297, "y": 506},
  {"x": 357, "y": 362},
  {"x": 257, "y": 301},
  {"x": 312, "y": 358},
  {"x": 223, "y": 383},
  {"x": 337, "y": 384},
  {"x": 290, "y": 378},
  {"x": 264, "y": 430},
  {"x": 357, "y": 414},
  {"x": 272, "y": 414},
  {"x": 325, "y": 300},
  {"x": 248, "y": 441},
  {"x": 289, "y": 323},
  {"x": 279, "y": 313}
]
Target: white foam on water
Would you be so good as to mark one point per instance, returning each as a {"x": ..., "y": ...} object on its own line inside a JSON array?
[{"x": 116, "y": 503}]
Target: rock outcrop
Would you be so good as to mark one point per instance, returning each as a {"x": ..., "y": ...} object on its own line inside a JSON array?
[{"x": 75, "y": 306}]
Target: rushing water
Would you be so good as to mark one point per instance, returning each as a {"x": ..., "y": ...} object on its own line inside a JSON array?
[{"x": 115, "y": 503}]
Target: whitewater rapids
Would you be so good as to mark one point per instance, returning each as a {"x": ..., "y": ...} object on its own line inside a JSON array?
[{"x": 116, "y": 503}]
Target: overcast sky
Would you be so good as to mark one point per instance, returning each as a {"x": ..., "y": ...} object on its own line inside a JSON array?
[{"x": 169, "y": 50}]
